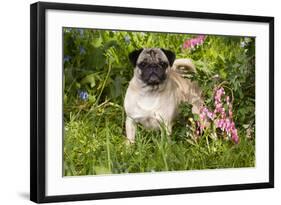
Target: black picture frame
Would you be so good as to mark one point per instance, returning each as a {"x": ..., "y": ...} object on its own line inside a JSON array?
[{"x": 38, "y": 101}]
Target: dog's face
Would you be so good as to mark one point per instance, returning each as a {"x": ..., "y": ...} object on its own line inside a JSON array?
[{"x": 152, "y": 64}]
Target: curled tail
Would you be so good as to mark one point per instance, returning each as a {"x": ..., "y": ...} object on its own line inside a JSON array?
[
  {"x": 183, "y": 66},
  {"x": 189, "y": 90}
]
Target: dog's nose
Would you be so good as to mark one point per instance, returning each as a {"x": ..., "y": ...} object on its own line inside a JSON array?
[
  {"x": 153, "y": 79},
  {"x": 154, "y": 67}
]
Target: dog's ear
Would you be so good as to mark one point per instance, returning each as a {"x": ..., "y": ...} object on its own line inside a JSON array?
[
  {"x": 170, "y": 55},
  {"x": 133, "y": 56}
]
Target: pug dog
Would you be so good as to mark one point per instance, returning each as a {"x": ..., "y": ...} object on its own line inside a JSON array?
[{"x": 156, "y": 90}]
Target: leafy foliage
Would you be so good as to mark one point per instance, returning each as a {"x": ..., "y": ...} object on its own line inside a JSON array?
[{"x": 96, "y": 75}]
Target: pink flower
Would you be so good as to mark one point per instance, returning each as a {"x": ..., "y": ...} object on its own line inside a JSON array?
[
  {"x": 205, "y": 112},
  {"x": 219, "y": 116},
  {"x": 228, "y": 125},
  {"x": 223, "y": 114},
  {"x": 219, "y": 123},
  {"x": 230, "y": 113},
  {"x": 202, "y": 116},
  {"x": 234, "y": 136},
  {"x": 200, "y": 127},
  {"x": 219, "y": 105},
  {"x": 210, "y": 115},
  {"x": 227, "y": 100},
  {"x": 191, "y": 43}
]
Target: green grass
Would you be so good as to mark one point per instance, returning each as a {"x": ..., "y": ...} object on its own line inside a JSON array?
[{"x": 95, "y": 143}]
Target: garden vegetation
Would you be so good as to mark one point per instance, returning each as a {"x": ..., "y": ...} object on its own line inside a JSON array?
[{"x": 96, "y": 74}]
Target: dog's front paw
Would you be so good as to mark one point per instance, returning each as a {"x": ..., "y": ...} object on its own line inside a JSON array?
[{"x": 129, "y": 141}]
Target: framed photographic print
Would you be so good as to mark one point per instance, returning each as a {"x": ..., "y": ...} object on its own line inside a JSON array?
[{"x": 129, "y": 102}]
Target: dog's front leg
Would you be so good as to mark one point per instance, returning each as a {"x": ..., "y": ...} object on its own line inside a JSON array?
[{"x": 130, "y": 129}]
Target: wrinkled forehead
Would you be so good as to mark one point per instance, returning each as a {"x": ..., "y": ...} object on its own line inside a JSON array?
[{"x": 152, "y": 55}]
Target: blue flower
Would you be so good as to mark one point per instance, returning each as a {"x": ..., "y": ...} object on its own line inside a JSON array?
[
  {"x": 66, "y": 59},
  {"x": 82, "y": 50},
  {"x": 83, "y": 95},
  {"x": 127, "y": 39}
]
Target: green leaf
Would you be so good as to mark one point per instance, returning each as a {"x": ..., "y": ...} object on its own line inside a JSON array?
[
  {"x": 223, "y": 74},
  {"x": 116, "y": 88},
  {"x": 97, "y": 42},
  {"x": 89, "y": 79},
  {"x": 196, "y": 117},
  {"x": 95, "y": 58},
  {"x": 112, "y": 43}
]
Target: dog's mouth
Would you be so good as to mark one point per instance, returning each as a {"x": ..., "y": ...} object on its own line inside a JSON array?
[{"x": 153, "y": 79}]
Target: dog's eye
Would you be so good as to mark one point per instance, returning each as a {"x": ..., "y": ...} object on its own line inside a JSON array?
[
  {"x": 163, "y": 64},
  {"x": 142, "y": 64}
]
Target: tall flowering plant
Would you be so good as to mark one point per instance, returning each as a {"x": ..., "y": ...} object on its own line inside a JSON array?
[{"x": 221, "y": 117}]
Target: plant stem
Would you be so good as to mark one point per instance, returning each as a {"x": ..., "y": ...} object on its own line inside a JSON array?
[{"x": 108, "y": 148}]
